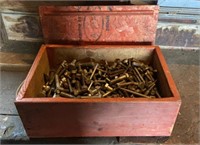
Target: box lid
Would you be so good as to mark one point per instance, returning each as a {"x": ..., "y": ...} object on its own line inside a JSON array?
[{"x": 99, "y": 24}]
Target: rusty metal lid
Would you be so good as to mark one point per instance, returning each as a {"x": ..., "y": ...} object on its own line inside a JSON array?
[{"x": 99, "y": 24}]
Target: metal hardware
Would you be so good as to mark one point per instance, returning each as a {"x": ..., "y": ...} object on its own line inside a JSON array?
[{"x": 121, "y": 78}]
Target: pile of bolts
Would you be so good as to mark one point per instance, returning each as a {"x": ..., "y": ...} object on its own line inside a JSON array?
[{"x": 91, "y": 79}]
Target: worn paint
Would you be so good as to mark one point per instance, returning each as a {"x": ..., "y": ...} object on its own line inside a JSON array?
[
  {"x": 178, "y": 35},
  {"x": 22, "y": 27}
]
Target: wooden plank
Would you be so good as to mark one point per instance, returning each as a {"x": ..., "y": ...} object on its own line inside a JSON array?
[
  {"x": 10, "y": 81},
  {"x": 3, "y": 35},
  {"x": 177, "y": 10},
  {"x": 22, "y": 26},
  {"x": 32, "y": 6},
  {"x": 180, "y": 3},
  {"x": 173, "y": 34}
]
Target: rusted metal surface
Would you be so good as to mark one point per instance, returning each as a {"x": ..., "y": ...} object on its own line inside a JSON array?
[{"x": 99, "y": 24}]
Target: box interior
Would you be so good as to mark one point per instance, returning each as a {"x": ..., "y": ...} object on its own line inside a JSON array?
[{"x": 53, "y": 56}]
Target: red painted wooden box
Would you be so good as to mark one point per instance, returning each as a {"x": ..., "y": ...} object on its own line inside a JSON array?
[{"x": 100, "y": 32}]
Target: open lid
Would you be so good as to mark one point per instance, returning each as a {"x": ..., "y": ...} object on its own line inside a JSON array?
[{"x": 99, "y": 24}]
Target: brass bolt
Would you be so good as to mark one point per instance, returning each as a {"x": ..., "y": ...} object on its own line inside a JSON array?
[
  {"x": 134, "y": 93},
  {"x": 121, "y": 84},
  {"x": 109, "y": 88},
  {"x": 63, "y": 65},
  {"x": 70, "y": 86},
  {"x": 64, "y": 94},
  {"x": 126, "y": 75},
  {"x": 106, "y": 94},
  {"x": 72, "y": 65},
  {"x": 95, "y": 68}
]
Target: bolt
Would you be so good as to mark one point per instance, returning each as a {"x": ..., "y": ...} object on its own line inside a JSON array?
[
  {"x": 64, "y": 94},
  {"x": 50, "y": 91},
  {"x": 74, "y": 71},
  {"x": 126, "y": 75},
  {"x": 116, "y": 73},
  {"x": 106, "y": 94},
  {"x": 78, "y": 85},
  {"x": 95, "y": 68},
  {"x": 93, "y": 92},
  {"x": 46, "y": 88},
  {"x": 54, "y": 95},
  {"x": 57, "y": 81},
  {"x": 87, "y": 97},
  {"x": 51, "y": 77},
  {"x": 83, "y": 82},
  {"x": 72, "y": 65},
  {"x": 63, "y": 65},
  {"x": 127, "y": 83},
  {"x": 109, "y": 88},
  {"x": 157, "y": 94},
  {"x": 150, "y": 88},
  {"x": 134, "y": 93},
  {"x": 67, "y": 74},
  {"x": 136, "y": 77},
  {"x": 70, "y": 86},
  {"x": 90, "y": 85},
  {"x": 138, "y": 73},
  {"x": 46, "y": 78},
  {"x": 87, "y": 64}
]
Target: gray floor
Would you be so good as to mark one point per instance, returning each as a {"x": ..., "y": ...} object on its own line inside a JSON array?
[{"x": 184, "y": 67}]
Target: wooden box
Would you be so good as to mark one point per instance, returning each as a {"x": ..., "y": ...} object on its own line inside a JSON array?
[{"x": 78, "y": 27}]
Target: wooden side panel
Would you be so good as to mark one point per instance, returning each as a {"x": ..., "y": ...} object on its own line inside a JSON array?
[{"x": 98, "y": 119}]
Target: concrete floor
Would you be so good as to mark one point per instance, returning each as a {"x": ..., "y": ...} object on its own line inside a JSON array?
[{"x": 184, "y": 67}]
